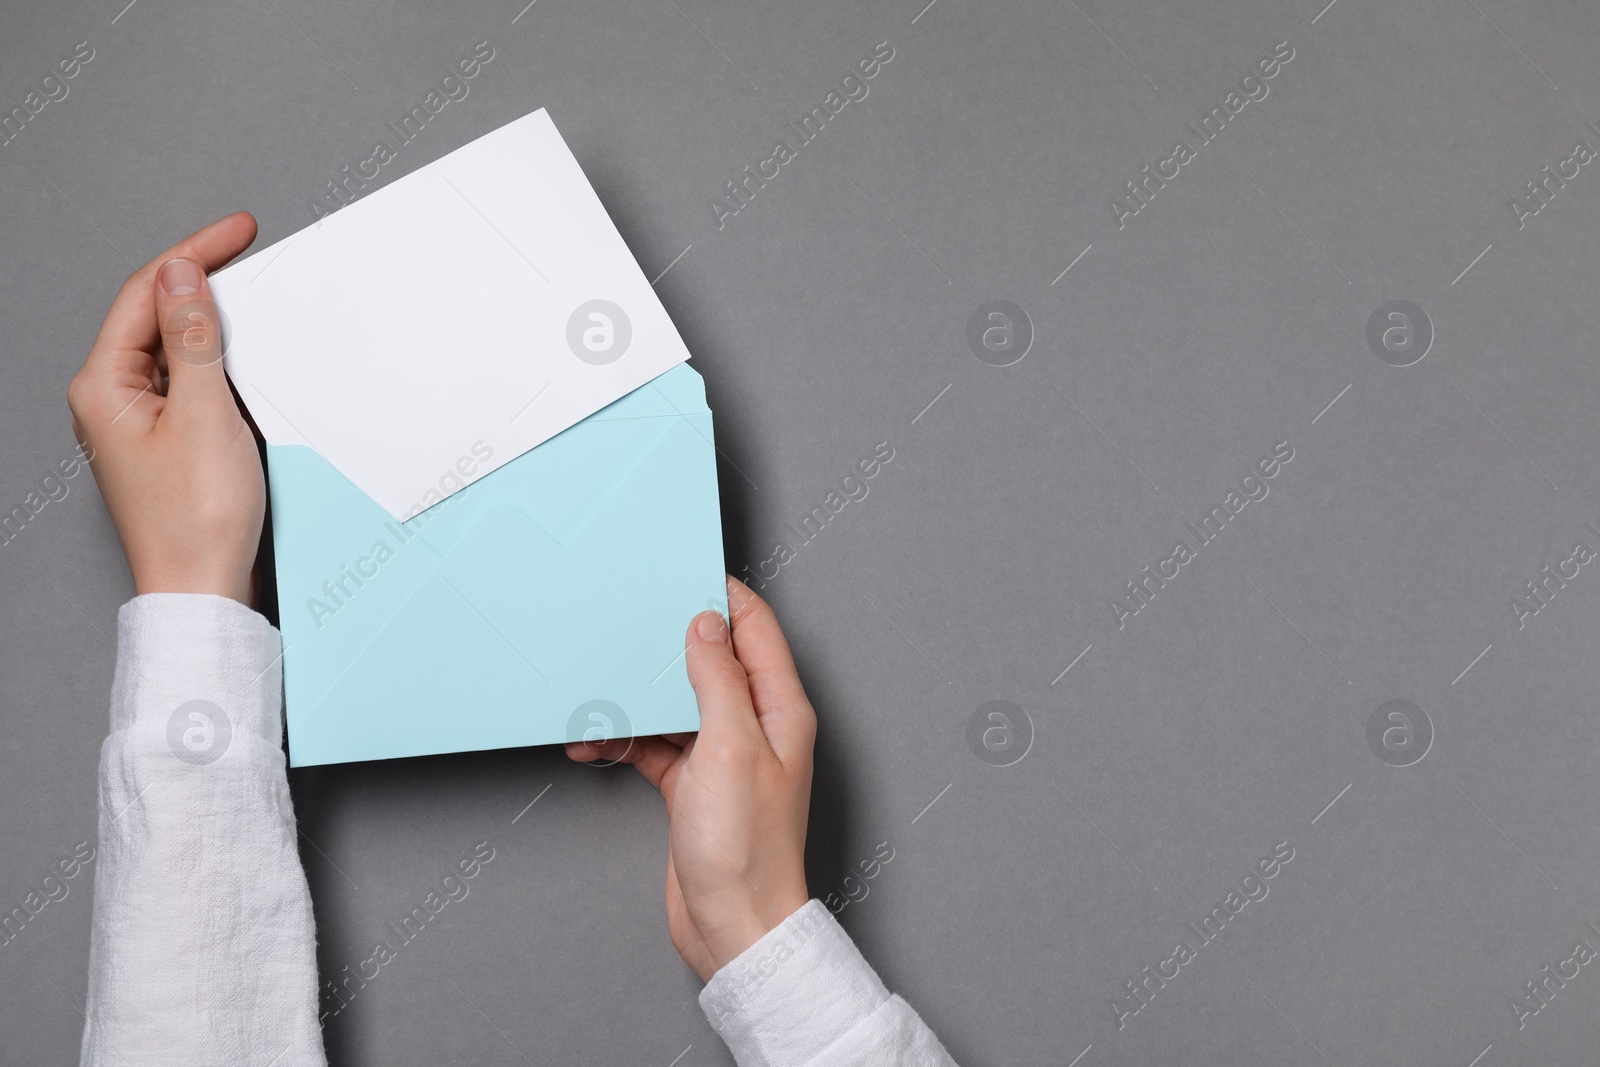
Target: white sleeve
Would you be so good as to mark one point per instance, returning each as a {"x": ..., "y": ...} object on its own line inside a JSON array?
[
  {"x": 803, "y": 996},
  {"x": 203, "y": 949}
]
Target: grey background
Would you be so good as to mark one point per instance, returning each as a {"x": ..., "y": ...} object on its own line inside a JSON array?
[{"x": 825, "y": 318}]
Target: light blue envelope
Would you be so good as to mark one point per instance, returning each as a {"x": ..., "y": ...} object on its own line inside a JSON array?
[{"x": 545, "y": 602}]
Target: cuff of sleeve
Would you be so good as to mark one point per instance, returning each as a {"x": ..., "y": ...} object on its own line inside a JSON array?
[
  {"x": 793, "y": 993},
  {"x": 174, "y": 648}
]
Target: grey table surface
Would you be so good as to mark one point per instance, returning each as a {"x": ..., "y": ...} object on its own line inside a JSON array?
[{"x": 1145, "y": 362}]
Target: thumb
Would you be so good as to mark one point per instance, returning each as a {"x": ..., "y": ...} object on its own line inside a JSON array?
[
  {"x": 720, "y": 684},
  {"x": 191, "y": 334}
]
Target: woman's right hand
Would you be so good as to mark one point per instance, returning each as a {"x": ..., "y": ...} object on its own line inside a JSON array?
[{"x": 738, "y": 793}]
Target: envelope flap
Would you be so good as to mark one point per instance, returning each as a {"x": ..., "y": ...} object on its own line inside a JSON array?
[{"x": 446, "y": 323}]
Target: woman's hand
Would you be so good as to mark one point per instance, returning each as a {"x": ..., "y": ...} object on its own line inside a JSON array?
[
  {"x": 738, "y": 792},
  {"x": 172, "y": 455}
]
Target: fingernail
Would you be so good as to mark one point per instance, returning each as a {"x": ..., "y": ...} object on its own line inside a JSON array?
[
  {"x": 180, "y": 277},
  {"x": 709, "y": 628}
]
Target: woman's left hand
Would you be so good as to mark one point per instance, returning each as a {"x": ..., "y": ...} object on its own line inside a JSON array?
[{"x": 173, "y": 456}]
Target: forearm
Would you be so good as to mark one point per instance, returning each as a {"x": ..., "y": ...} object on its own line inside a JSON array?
[
  {"x": 203, "y": 945},
  {"x": 803, "y": 996}
]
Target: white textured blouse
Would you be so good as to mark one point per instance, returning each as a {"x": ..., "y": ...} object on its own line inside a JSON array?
[{"x": 203, "y": 949}]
